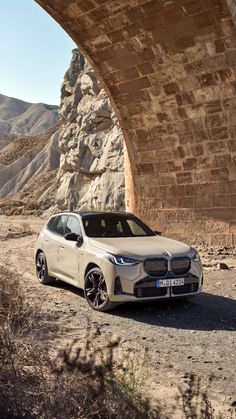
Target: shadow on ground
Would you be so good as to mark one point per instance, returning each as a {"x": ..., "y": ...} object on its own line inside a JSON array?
[{"x": 202, "y": 312}]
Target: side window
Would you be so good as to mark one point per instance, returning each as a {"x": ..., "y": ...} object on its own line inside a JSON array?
[
  {"x": 73, "y": 226},
  {"x": 56, "y": 224},
  {"x": 51, "y": 222},
  {"x": 119, "y": 227}
]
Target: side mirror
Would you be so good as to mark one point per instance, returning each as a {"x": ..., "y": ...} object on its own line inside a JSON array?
[
  {"x": 158, "y": 233},
  {"x": 71, "y": 236},
  {"x": 79, "y": 241}
]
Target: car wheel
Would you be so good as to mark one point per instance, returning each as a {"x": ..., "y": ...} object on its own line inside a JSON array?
[
  {"x": 95, "y": 291},
  {"x": 42, "y": 270}
]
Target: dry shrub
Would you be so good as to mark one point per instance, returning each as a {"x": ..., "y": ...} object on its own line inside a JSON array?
[
  {"x": 82, "y": 381},
  {"x": 18, "y": 207},
  {"x": 15, "y": 314}
]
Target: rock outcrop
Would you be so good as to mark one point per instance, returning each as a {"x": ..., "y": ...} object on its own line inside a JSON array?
[
  {"x": 77, "y": 163},
  {"x": 90, "y": 143}
]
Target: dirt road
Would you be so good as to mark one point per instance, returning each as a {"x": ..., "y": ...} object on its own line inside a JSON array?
[{"x": 180, "y": 337}]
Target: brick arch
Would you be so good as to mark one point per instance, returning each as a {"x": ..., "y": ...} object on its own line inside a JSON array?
[{"x": 169, "y": 68}]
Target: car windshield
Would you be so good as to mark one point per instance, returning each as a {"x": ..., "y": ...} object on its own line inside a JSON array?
[{"x": 115, "y": 225}]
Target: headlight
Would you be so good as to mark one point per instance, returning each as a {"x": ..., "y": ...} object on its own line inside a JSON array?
[
  {"x": 195, "y": 257},
  {"x": 122, "y": 260}
]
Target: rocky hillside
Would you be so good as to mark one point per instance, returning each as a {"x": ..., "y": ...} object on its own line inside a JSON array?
[
  {"x": 28, "y": 150},
  {"x": 28, "y": 168},
  {"x": 76, "y": 164},
  {"x": 90, "y": 143},
  {"x": 18, "y": 117}
]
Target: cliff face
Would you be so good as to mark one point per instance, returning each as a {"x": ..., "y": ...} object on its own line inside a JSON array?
[
  {"x": 77, "y": 163},
  {"x": 90, "y": 175}
]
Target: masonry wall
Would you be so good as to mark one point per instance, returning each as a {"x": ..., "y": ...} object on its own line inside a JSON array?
[{"x": 169, "y": 68}]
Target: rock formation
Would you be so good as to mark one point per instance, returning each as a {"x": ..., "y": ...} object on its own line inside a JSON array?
[
  {"x": 77, "y": 164},
  {"x": 90, "y": 143}
]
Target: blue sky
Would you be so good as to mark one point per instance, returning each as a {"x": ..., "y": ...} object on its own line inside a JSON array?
[{"x": 35, "y": 52}]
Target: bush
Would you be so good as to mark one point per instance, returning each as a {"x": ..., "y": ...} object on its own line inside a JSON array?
[{"x": 83, "y": 380}]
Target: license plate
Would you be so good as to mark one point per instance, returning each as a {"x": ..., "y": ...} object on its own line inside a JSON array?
[{"x": 172, "y": 282}]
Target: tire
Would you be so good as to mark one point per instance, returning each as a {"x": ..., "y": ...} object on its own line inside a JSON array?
[
  {"x": 95, "y": 291},
  {"x": 42, "y": 270}
]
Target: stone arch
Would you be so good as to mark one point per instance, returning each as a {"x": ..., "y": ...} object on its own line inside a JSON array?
[{"x": 169, "y": 68}]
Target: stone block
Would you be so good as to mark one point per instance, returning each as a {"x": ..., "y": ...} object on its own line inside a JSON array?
[
  {"x": 219, "y": 174},
  {"x": 197, "y": 150},
  {"x": 116, "y": 36},
  {"x": 219, "y": 133},
  {"x": 216, "y": 120},
  {"x": 145, "y": 68},
  {"x": 206, "y": 79},
  {"x": 86, "y": 6},
  {"x": 184, "y": 178},
  {"x": 220, "y": 201},
  {"x": 190, "y": 164},
  {"x": 171, "y": 88},
  {"x": 134, "y": 85},
  {"x": 217, "y": 147},
  {"x": 202, "y": 201},
  {"x": 213, "y": 106},
  {"x": 201, "y": 135}
]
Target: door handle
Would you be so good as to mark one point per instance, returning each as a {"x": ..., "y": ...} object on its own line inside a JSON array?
[
  {"x": 61, "y": 247},
  {"x": 45, "y": 241}
]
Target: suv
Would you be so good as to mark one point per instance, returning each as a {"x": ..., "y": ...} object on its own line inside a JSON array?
[{"x": 114, "y": 257}]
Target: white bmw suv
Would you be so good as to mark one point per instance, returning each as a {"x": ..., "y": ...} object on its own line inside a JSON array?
[{"x": 114, "y": 257}]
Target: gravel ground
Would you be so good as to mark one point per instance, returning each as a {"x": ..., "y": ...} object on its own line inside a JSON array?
[{"x": 179, "y": 337}]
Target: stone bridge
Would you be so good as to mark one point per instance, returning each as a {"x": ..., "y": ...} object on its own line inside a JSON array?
[{"x": 169, "y": 68}]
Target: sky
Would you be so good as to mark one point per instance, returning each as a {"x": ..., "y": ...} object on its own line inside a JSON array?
[{"x": 35, "y": 52}]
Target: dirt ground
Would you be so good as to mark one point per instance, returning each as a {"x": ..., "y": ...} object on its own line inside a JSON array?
[{"x": 179, "y": 337}]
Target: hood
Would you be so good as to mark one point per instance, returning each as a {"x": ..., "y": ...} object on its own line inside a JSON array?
[{"x": 141, "y": 247}]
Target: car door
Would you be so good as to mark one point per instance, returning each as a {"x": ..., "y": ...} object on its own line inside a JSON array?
[
  {"x": 53, "y": 235},
  {"x": 70, "y": 253}
]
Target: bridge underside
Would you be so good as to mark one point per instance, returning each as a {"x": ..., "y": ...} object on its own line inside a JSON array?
[{"x": 169, "y": 68}]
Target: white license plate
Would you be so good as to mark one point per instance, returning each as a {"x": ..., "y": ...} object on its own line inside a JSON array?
[{"x": 172, "y": 282}]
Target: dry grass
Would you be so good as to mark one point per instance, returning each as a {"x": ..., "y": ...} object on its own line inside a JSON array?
[
  {"x": 7, "y": 202},
  {"x": 18, "y": 207},
  {"x": 81, "y": 381},
  {"x": 16, "y": 232}
]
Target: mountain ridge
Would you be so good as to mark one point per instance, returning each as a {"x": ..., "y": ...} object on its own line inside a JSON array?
[{"x": 20, "y": 117}]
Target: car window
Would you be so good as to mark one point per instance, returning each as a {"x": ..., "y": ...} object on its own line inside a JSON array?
[
  {"x": 136, "y": 229},
  {"x": 73, "y": 226},
  {"x": 56, "y": 224},
  {"x": 115, "y": 225},
  {"x": 51, "y": 222}
]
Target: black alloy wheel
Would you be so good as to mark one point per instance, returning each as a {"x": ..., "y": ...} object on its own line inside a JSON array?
[
  {"x": 95, "y": 291},
  {"x": 42, "y": 270}
]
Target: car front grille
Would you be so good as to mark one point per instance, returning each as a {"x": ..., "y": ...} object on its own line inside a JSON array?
[
  {"x": 180, "y": 266},
  {"x": 185, "y": 289},
  {"x": 156, "y": 267}
]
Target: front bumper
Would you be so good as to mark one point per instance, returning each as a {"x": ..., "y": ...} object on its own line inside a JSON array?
[{"x": 136, "y": 285}]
